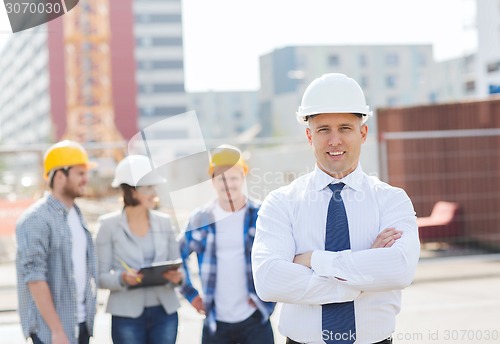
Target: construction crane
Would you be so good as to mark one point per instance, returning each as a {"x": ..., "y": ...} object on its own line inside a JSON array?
[{"x": 90, "y": 114}]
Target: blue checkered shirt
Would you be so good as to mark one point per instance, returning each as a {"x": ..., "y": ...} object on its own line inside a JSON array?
[
  {"x": 44, "y": 254},
  {"x": 199, "y": 237}
]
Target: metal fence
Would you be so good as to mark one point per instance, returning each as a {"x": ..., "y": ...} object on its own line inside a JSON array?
[{"x": 447, "y": 153}]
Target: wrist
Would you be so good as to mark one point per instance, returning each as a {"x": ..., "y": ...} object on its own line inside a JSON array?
[
  {"x": 56, "y": 329},
  {"x": 123, "y": 281}
]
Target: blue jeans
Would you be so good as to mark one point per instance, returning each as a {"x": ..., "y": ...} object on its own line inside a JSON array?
[
  {"x": 153, "y": 326},
  {"x": 249, "y": 331}
]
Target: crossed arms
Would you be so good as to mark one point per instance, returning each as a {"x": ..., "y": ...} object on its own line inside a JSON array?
[{"x": 318, "y": 276}]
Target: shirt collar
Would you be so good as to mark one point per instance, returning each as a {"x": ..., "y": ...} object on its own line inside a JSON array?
[
  {"x": 353, "y": 180},
  {"x": 57, "y": 204}
]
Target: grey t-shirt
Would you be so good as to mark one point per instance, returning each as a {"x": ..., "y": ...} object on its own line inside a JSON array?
[{"x": 148, "y": 251}]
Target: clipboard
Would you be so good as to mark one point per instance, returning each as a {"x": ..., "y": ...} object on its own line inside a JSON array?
[{"x": 153, "y": 274}]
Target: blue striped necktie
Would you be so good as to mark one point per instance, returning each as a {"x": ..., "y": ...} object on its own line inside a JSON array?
[{"x": 338, "y": 321}]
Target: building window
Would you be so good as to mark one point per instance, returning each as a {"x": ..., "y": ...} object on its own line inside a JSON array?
[
  {"x": 161, "y": 88},
  {"x": 161, "y": 111},
  {"x": 392, "y": 101},
  {"x": 147, "y": 111},
  {"x": 470, "y": 86},
  {"x": 168, "y": 88},
  {"x": 494, "y": 89},
  {"x": 390, "y": 81},
  {"x": 493, "y": 67},
  {"x": 469, "y": 64},
  {"x": 433, "y": 97},
  {"x": 144, "y": 65},
  {"x": 158, "y": 64},
  {"x": 145, "y": 88},
  {"x": 362, "y": 60},
  {"x": 333, "y": 60},
  {"x": 165, "y": 41},
  {"x": 158, "y": 0},
  {"x": 158, "y": 18},
  {"x": 392, "y": 60},
  {"x": 145, "y": 41},
  {"x": 159, "y": 41},
  {"x": 422, "y": 61},
  {"x": 364, "y": 82}
]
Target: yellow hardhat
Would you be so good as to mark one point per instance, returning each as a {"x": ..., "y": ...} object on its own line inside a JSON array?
[
  {"x": 64, "y": 154},
  {"x": 228, "y": 156}
]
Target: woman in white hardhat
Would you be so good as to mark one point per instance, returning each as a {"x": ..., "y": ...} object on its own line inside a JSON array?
[{"x": 132, "y": 238}]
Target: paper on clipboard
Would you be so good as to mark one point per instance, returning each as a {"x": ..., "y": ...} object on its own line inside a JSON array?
[{"x": 153, "y": 275}]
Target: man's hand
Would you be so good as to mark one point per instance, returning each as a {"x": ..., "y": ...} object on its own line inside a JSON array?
[
  {"x": 387, "y": 238},
  {"x": 59, "y": 337},
  {"x": 42, "y": 296},
  {"x": 198, "y": 304},
  {"x": 174, "y": 276},
  {"x": 303, "y": 259}
]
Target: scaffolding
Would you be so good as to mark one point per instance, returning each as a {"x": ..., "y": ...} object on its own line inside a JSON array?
[{"x": 90, "y": 113}]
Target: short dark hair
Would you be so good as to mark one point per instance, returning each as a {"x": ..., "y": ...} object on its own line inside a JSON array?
[
  {"x": 65, "y": 171},
  {"x": 128, "y": 198},
  {"x": 360, "y": 115}
]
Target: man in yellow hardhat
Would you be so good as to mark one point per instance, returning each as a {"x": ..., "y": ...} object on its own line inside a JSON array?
[
  {"x": 221, "y": 234},
  {"x": 55, "y": 262}
]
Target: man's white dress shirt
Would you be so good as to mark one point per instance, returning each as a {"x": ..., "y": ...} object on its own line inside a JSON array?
[{"x": 292, "y": 220}]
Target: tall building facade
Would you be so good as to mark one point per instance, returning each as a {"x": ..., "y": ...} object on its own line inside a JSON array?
[
  {"x": 159, "y": 59},
  {"x": 488, "y": 53},
  {"x": 454, "y": 80},
  {"x": 390, "y": 75},
  {"x": 25, "y": 102},
  {"x": 147, "y": 73}
]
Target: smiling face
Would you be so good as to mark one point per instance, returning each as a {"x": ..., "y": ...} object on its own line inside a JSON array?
[
  {"x": 228, "y": 183},
  {"x": 336, "y": 139},
  {"x": 73, "y": 184},
  {"x": 146, "y": 196}
]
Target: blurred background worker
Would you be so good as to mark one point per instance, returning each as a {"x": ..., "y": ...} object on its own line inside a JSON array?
[
  {"x": 55, "y": 262},
  {"x": 221, "y": 233},
  {"x": 347, "y": 243},
  {"x": 128, "y": 239}
]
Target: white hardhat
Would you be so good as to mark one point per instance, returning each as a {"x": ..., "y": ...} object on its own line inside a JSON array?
[
  {"x": 333, "y": 93},
  {"x": 136, "y": 170}
]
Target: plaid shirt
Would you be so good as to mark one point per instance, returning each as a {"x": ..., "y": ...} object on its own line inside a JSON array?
[
  {"x": 199, "y": 237},
  {"x": 44, "y": 254}
]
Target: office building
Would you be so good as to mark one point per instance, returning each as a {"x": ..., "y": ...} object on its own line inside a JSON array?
[{"x": 146, "y": 74}]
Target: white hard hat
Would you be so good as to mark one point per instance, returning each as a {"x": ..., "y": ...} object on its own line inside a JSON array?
[
  {"x": 136, "y": 170},
  {"x": 333, "y": 93}
]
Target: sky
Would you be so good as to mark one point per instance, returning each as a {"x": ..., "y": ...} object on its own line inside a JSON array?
[{"x": 223, "y": 39}]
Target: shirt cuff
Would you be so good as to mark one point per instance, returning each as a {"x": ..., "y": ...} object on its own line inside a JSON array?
[
  {"x": 34, "y": 276},
  {"x": 338, "y": 265},
  {"x": 323, "y": 263}
]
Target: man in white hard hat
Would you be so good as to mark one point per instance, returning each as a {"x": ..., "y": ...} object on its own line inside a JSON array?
[{"x": 336, "y": 246}]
